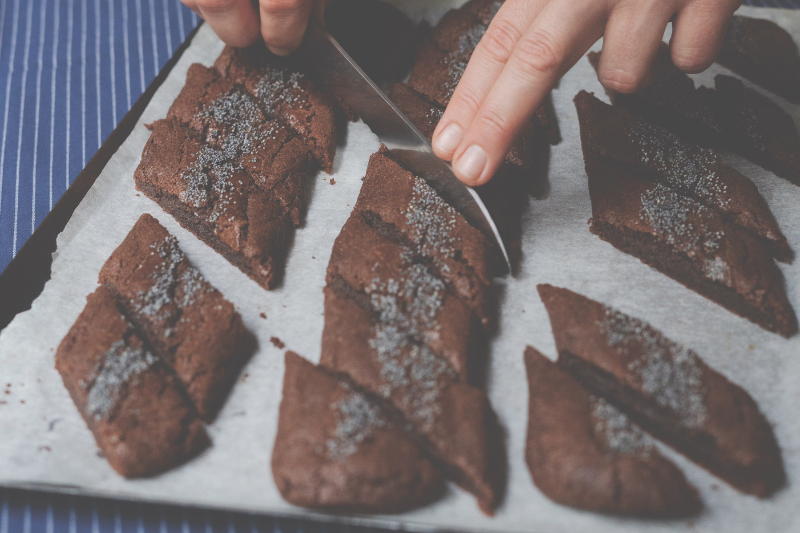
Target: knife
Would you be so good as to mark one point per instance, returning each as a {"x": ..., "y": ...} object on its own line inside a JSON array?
[{"x": 344, "y": 77}]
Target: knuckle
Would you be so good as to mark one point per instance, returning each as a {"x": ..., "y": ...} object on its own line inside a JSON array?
[
  {"x": 278, "y": 7},
  {"x": 492, "y": 123},
  {"x": 467, "y": 99},
  {"x": 538, "y": 54},
  {"x": 499, "y": 40}
]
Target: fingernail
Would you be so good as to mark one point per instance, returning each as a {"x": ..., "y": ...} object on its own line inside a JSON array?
[
  {"x": 471, "y": 163},
  {"x": 283, "y": 52},
  {"x": 449, "y": 139}
]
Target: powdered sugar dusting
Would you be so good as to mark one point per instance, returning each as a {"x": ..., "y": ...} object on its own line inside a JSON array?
[
  {"x": 455, "y": 69},
  {"x": 235, "y": 128},
  {"x": 152, "y": 301},
  {"x": 278, "y": 86},
  {"x": 666, "y": 371},
  {"x": 470, "y": 39},
  {"x": 457, "y": 60},
  {"x": 120, "y": 364},
  {"x": 166, "y": 277},
  {"x": 407, "y": 311},
  {"x": 356, "y": 419},
  {"x": 407, "y": 308},
  {"x": 620, "y": 435},
  {"x": 432, "y": 220},
  {"x": 193, "y": 284},
  {"x": 681, "y": 220},
  {"x": 690, "y": 168},
  {"x": 717, "y": 269},
  {"x": 434, "y": 114}
]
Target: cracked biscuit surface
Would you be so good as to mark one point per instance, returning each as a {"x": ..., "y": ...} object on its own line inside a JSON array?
[{"x": 231, "y": 160}]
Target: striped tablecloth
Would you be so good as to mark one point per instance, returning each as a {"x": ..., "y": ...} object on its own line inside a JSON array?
[{"x": 69, "y": 70}]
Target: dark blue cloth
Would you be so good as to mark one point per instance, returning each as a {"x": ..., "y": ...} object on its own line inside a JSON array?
[
  {"x": 69, "y": 71},
  {"x": 32, "y": 512}
]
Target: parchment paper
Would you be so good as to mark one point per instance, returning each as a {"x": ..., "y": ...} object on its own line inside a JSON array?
[{"x": 44, "y": 441}]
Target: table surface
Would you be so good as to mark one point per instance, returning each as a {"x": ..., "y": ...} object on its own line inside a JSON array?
[{"x": 69, "y": 71}]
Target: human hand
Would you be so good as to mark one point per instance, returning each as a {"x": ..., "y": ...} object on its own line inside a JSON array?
[
  {"x": 530, "y": 44},
  {"x": 280, "y": 23}
]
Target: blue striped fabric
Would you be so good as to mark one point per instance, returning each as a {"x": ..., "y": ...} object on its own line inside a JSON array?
[
  {"x": 69, "y": 71},
  {"x": 31, "y": 512}
]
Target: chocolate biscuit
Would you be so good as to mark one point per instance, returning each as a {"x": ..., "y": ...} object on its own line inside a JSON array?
[
  {"x": 284, "y": 92},
  {"x": 406, "y": 209},
  {"x": 689, "y": 242},
  {"x": 653, "y": 152},
  {"x": 131, "y": 401},
  {"x": 585, "y": 453},
  {"x": 667, "y": 389},
  {"x": 336, "y": 450},
  {"x": 188, "y": 322},
  {"x": 672, "y": 101},
  {"x": 764, "y": 53},
  {"x": 451, "y": 419},
  {"x": 758, "y": 128}
]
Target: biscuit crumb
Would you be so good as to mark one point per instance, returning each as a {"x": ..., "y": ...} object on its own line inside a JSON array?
[{"x": 277, "y": 342}]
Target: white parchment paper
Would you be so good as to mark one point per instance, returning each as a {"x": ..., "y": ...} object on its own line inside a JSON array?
[{"x": 44, "y": 441}]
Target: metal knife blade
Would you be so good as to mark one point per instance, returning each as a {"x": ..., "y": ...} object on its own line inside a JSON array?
[{"x": 343, "y": 76}]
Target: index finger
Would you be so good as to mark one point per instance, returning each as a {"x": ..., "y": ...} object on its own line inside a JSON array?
[
  {"x": 559, "y": 36},
  {"x": 484, "y": 67}
]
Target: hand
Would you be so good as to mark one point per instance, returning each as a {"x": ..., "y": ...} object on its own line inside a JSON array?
[
  {"x": 530, "y": 44},
  {"x": 240, "y": 23}
]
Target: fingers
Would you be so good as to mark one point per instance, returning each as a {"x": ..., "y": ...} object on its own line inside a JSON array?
[
  {"x": 630, "y": 43},
  {"x": 698, "y": 31},
  {"x": 283, "y": 23},
  {"x": 485, "y": 66},
  {"x": 234, "y": 21},
  {"x": 558, "y": 37}
]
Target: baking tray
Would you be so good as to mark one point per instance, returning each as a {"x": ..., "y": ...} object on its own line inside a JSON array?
[{"x": 45, "y": 444}]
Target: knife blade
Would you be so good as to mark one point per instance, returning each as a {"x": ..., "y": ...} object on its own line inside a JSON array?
[{"x": 344, "y": 77}]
